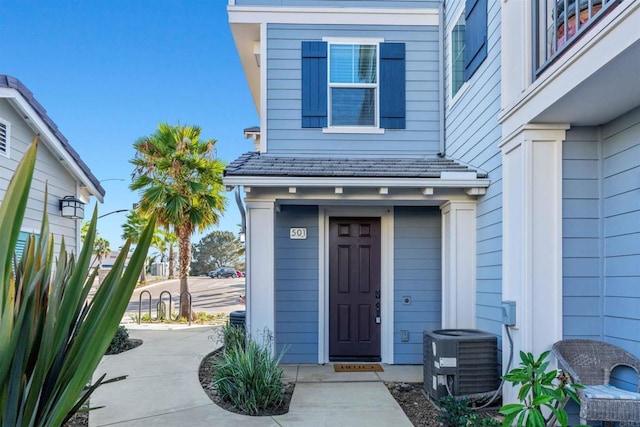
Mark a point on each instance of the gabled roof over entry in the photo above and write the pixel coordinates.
(31, 109)
(262, 170)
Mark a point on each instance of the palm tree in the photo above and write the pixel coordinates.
(132, 229)
(170, 239)
(179, 178)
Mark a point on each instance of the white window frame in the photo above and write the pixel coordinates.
(465, 85)
(353, 129)
(8, 138)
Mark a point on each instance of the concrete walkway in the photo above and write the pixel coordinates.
(162, 388)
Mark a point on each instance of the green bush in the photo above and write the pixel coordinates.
(543, 394)
(51, 337)
(120, 341)
(456, 412)
(249, 377)
(233, 337)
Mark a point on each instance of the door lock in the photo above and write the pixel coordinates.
(378, 293)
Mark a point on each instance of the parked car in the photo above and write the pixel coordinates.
(223, 272)
(239, 273)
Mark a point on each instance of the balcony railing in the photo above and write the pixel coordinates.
(559, 23)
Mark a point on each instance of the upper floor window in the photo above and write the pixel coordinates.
(4, 137)
(457, 55)
(468, 43)
(353, 86)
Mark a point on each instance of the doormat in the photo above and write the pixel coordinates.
(357, 367)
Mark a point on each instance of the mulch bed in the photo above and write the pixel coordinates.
(205, 375)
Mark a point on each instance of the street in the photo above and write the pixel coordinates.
(209, 295)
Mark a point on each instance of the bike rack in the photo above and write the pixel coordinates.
(159, 306)
(140, 306)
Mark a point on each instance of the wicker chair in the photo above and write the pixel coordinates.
(590, 363)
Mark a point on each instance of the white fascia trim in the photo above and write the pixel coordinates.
(52, 141)
(278, 181)
(332, 15)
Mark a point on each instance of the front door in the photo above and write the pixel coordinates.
(354, 289)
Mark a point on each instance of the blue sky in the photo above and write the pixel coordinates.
(108, 72)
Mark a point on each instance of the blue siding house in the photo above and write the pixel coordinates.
(419, 162)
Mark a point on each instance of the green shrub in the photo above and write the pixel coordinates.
(249, 377)
(120, 341)
(51, 338)
(455, 412)
(233, 337)
(541, 392)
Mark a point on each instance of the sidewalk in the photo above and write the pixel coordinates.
(162, 388)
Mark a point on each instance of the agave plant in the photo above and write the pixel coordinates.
(51, 337)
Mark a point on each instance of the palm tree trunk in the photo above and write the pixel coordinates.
(171, 260)
(184, 258)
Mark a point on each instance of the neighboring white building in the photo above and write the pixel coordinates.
(58, 166)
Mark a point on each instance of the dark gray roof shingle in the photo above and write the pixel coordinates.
(13, 83)
(255, 164)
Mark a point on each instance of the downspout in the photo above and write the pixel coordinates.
(243, 215)
(442, 23)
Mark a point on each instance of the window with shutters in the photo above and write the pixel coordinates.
(353, 85)
(468, 44)
(456, 41)
(4, 137)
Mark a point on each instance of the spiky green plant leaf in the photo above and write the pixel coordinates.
(51, 337)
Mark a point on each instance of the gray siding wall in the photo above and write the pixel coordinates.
(49, 172)
(417, 274)
(581, 243)
(341, 3)
(285, 134)
(601, 234)
(296, 285)
(472, 136)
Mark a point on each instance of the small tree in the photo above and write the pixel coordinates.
(217, 249)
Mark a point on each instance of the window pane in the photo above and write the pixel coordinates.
(457, 56)
(353, 63)
(353, 107)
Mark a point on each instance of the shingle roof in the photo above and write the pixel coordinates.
(13, 83)
(255, 164)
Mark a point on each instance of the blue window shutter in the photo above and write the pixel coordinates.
(475, 50)
(314, 84)
(392, 86)
(22, 241)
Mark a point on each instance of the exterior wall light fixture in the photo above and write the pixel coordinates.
(71, 207)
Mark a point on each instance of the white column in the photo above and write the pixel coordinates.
(459, 265)
(532, 238)
(260, 268)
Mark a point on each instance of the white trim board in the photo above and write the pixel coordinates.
(332, 15)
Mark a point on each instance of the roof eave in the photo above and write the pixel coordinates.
(319, 182)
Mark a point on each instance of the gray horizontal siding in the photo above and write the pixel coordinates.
(621, 237)
(417, 274)
(296, 285)
(472, 135)
(601, 235)
(581, 243)
(285, 135)
(342, 3)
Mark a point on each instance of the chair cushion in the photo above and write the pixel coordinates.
(607, 391)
